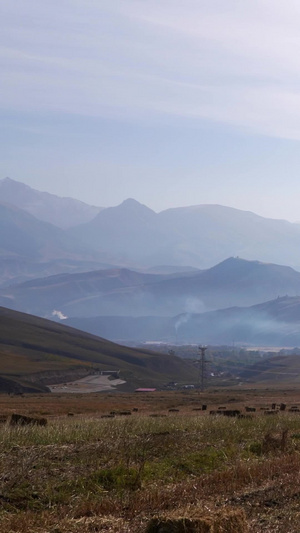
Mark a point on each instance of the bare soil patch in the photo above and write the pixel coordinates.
(88, 384)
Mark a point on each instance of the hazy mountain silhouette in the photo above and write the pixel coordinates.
(89, 293)
(62, 212)
(23, 234)
(234, 282)
(130, 232)
(198, 236)
(30, 247)
(273, 323)
(133, 236)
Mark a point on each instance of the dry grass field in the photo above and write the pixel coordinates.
(165, 460)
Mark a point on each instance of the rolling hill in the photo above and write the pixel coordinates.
(273, 323)
(278, 371)
(109, 291)
(122, 292)
(38, 350)
(234, 281)
(30, 247)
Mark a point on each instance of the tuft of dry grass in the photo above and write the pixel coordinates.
(199, 521)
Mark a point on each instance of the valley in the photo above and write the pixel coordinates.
(237, 302)
(150, 267)
(110, 420)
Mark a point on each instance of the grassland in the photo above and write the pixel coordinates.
(85, 473)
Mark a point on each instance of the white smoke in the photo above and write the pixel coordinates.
(191, 306)
(183, 319)
(59, 315)
(194, 305)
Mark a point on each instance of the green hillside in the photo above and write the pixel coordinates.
(35, 348)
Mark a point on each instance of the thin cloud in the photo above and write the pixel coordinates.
(232, 62)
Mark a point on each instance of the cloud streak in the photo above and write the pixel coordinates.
(230, 62)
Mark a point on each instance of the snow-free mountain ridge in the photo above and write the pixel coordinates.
(134, 236)
(273, 323)
(115, 292)
(62, 212)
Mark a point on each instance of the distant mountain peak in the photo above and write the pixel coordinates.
(131, 203)
(235, 261)
(62, 212)
(233, 266)
(238, 262)
(11, 184)
(129, 208)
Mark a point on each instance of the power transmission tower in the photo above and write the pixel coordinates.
(202, 366)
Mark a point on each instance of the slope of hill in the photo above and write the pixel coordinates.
(278, 371)
(273, 323)
(61, 212)
(234, 281)
(217, 231)
(21, 234)
(31, 248)
(130, 231)
(38, 349)
(127, 293)
(85, 293)
(19, 386)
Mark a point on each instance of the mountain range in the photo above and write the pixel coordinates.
(132, 235)
(123, 292)
(129, 273)
(200, 236)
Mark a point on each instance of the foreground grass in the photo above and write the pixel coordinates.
(96, 474)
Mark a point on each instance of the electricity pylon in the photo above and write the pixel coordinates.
(202, 366)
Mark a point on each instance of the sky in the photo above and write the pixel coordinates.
(170, 102)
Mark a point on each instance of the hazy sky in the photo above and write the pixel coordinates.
(170, 102)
